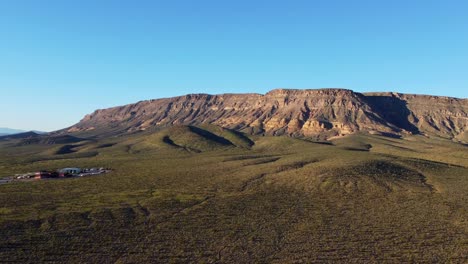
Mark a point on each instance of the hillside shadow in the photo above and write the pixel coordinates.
(51, 140)
(241, 136)
(66, 149)
(210, 136)
(394, 110)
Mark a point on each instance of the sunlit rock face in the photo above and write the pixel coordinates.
(312, 112)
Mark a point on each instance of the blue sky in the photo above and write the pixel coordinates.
(60, 60)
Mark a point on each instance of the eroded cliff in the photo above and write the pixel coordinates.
(324, 112)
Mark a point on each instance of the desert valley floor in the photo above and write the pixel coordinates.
(211, 195)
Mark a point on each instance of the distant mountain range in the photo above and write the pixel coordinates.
(11, 131)
(312, 113)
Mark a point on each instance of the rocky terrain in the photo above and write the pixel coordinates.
(323, 112)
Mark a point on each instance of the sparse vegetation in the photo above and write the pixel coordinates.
(238, 199)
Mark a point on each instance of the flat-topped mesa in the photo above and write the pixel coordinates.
(309, 92)
(294, 112)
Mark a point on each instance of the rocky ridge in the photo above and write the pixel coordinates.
(321, 112)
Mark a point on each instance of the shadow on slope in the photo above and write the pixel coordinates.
(50, 140)
(192, 139)
(393, 110)
(235, 137)
(66, 149)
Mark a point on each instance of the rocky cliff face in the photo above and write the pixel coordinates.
(437, 115)
(325, 112)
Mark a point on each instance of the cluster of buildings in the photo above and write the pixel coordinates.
(62, 173)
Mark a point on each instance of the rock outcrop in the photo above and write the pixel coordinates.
(321, 112)
(435, 115)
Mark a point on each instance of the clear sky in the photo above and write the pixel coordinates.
(60, 60)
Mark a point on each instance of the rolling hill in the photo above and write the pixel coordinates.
(4, 131)
(8, 131)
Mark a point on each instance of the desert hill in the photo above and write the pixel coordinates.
(313, 113)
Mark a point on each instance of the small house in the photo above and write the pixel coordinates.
(69, 171)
